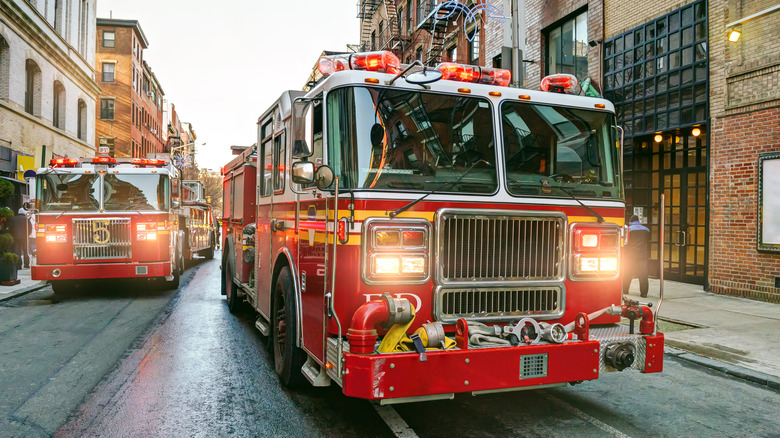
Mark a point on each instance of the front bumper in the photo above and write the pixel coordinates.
(101, 270)
(492, 369)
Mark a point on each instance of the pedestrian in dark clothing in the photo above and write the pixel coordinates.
(635, 256)
(18, 228)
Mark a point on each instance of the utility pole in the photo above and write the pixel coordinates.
(514, 31)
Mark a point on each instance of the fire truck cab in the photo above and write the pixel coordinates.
(105, 218)
(411, 234)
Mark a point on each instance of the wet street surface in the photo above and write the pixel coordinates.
(141, 363)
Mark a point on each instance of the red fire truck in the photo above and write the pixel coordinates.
(105, 218)
(196, 222)
(411, 233)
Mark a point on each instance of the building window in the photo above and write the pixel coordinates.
(81, 114)
(420, 11)
(107, 109)
(32, 90)
(452, 54)
(567, 47)
(108, 72)
(108, 38)
(58, 110)
(657, 73)
(5, 65)
(474, 45)
(109, 143)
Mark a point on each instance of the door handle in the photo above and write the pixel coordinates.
(682, 239)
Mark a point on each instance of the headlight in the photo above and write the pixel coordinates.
(595, 251)
(396, 251)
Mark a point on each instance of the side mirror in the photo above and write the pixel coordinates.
(324, 177)
(303, 172)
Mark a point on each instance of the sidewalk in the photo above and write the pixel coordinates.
(731, 334)
(25, 285)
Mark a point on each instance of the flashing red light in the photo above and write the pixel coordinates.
(103, 160)
(559, 83)
(382, 62)
(458, 72)
(64, 162)
(342, 231)
(452, 71)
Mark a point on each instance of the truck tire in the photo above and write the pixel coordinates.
(231, 290)
(288, 358)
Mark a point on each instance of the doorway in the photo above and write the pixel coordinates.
(674, 163)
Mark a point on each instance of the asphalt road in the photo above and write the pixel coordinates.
(166, 364)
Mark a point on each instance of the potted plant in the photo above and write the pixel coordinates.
(9, 262)
(5, 214)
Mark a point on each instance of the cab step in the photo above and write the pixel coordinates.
(314, 373)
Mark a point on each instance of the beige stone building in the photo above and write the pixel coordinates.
(47, 81)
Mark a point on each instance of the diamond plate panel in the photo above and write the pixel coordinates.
(619, 335)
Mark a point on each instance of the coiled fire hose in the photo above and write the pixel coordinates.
(430, 336)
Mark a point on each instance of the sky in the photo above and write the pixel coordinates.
(224, 63)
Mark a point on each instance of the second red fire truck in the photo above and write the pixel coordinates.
(107, 218)
(412, 233)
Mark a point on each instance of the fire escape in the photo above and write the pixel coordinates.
(380, 38)
(438, 28)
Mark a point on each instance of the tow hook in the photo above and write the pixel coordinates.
(619, 356)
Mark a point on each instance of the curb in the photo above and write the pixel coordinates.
(25, 291)
(732, 370)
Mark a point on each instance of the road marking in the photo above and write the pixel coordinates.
(395, 422)
(590, 419)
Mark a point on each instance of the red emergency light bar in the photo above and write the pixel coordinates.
(559, 83)
(381, 62)
(473, 73)
(103, 160)
(64, 162)
(147, 162)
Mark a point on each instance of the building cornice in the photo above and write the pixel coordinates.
(34, 33)
(125, 23)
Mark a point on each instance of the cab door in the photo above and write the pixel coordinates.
(265, 216)
(312, 246)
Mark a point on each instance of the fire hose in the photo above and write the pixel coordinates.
(430, 336)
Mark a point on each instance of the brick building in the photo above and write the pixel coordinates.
(745, 123)
(698, 111)
(130, 107)
(410, 28)
(47, 82)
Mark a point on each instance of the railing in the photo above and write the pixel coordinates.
(104, 238)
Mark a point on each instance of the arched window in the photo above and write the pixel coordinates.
(81, 130)
(5, 65)
(58, 17)
(58, 112)
(32, 89)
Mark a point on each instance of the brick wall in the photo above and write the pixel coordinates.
(621, 16)
(541, 14)
(120, 90)
(745, 109)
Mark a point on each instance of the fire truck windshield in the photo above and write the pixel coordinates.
(68, 192)
(393, 139)
(131, 192)
(547, 147)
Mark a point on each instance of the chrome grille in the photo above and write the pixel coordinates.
(498, 304)
(500, 246)
(104, 238)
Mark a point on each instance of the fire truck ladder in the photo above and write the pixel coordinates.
(365, 13)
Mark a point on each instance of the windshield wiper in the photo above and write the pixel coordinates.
(598, 217)
(395, 213)
(544, 184)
